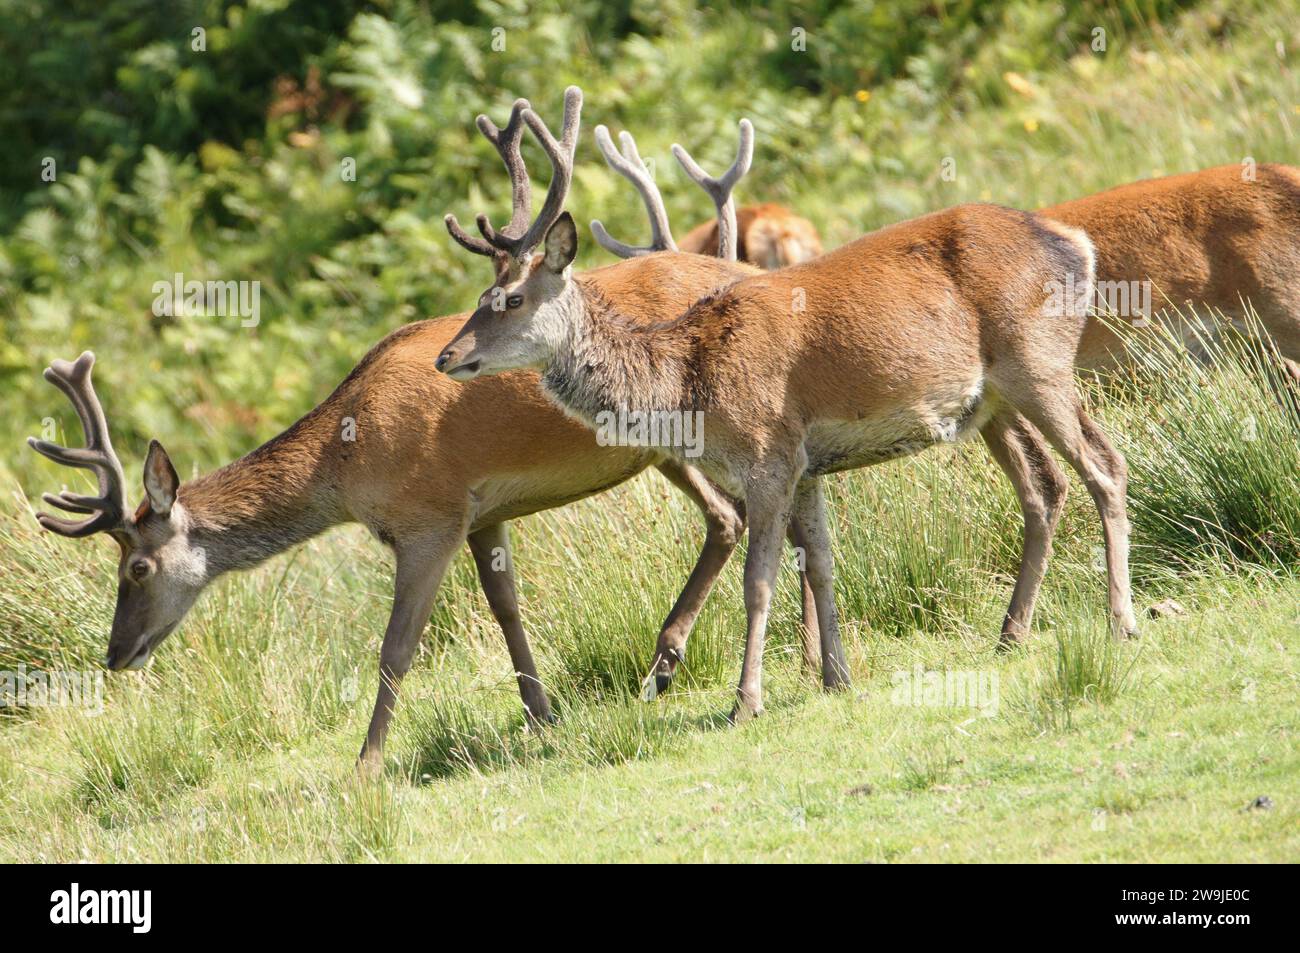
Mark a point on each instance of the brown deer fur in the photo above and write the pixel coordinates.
(914, 335)
(770, 236)
(1209, 238)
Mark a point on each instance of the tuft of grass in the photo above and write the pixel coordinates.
(448, 735)
(369, 818)
(132, 766)
(1086, 667)
(923, 766)
(1213, 446)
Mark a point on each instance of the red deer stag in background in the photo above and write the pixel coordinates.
(768, 235)
(433, 464)
(917, 334)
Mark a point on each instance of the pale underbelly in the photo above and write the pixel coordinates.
(836, 445)
(510, 496)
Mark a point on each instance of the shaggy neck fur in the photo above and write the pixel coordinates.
(604, 361)
(281, 494)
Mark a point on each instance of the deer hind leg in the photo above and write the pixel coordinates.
(496, 572)
(421, 564)
(814, 531)
(725, 525)
(809, 629)
(1041, 488)
(1283, 349)
(1057, 414)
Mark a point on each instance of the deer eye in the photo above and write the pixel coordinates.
(139, 569)
(514, 301)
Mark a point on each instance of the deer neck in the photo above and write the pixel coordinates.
(281, 494)
(606, 362)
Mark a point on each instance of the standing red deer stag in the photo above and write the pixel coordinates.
(768, 235)
(917, 334)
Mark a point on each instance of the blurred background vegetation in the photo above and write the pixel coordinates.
(225, 162)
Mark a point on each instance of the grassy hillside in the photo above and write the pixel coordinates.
(237, 742)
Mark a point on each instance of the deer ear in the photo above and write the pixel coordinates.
(561, 243)
(160, 480)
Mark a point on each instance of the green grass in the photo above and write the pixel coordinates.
(1172, 760)
(238, 742)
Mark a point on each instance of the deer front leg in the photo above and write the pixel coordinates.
(809, 628)
(768, 503)
(814, 532)
(420, 568)
(496, 573)
(725, 524)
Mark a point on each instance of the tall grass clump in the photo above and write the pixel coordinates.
(446, 734)
(919, 541)
(1212, 437)
(1086, 666)
(53, 593)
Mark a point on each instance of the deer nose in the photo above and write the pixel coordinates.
(444, 359)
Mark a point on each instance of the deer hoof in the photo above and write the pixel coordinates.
(1010, 641)
(370, 766)
(652, 685)
(544, 719)
(661, 675)
(742, 713)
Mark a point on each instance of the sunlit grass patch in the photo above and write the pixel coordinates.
(133, 762)
(925, 765)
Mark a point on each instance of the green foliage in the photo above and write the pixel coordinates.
(228, 163)
(106, 79)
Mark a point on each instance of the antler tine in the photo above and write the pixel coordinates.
(720, 188)
(507, 142)
(109, 508)
(630, 166)
(561, 155)
(518, 238)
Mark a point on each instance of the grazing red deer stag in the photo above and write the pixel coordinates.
(430, 465)
(1211, 238)
(914, 335)
(769, 235)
